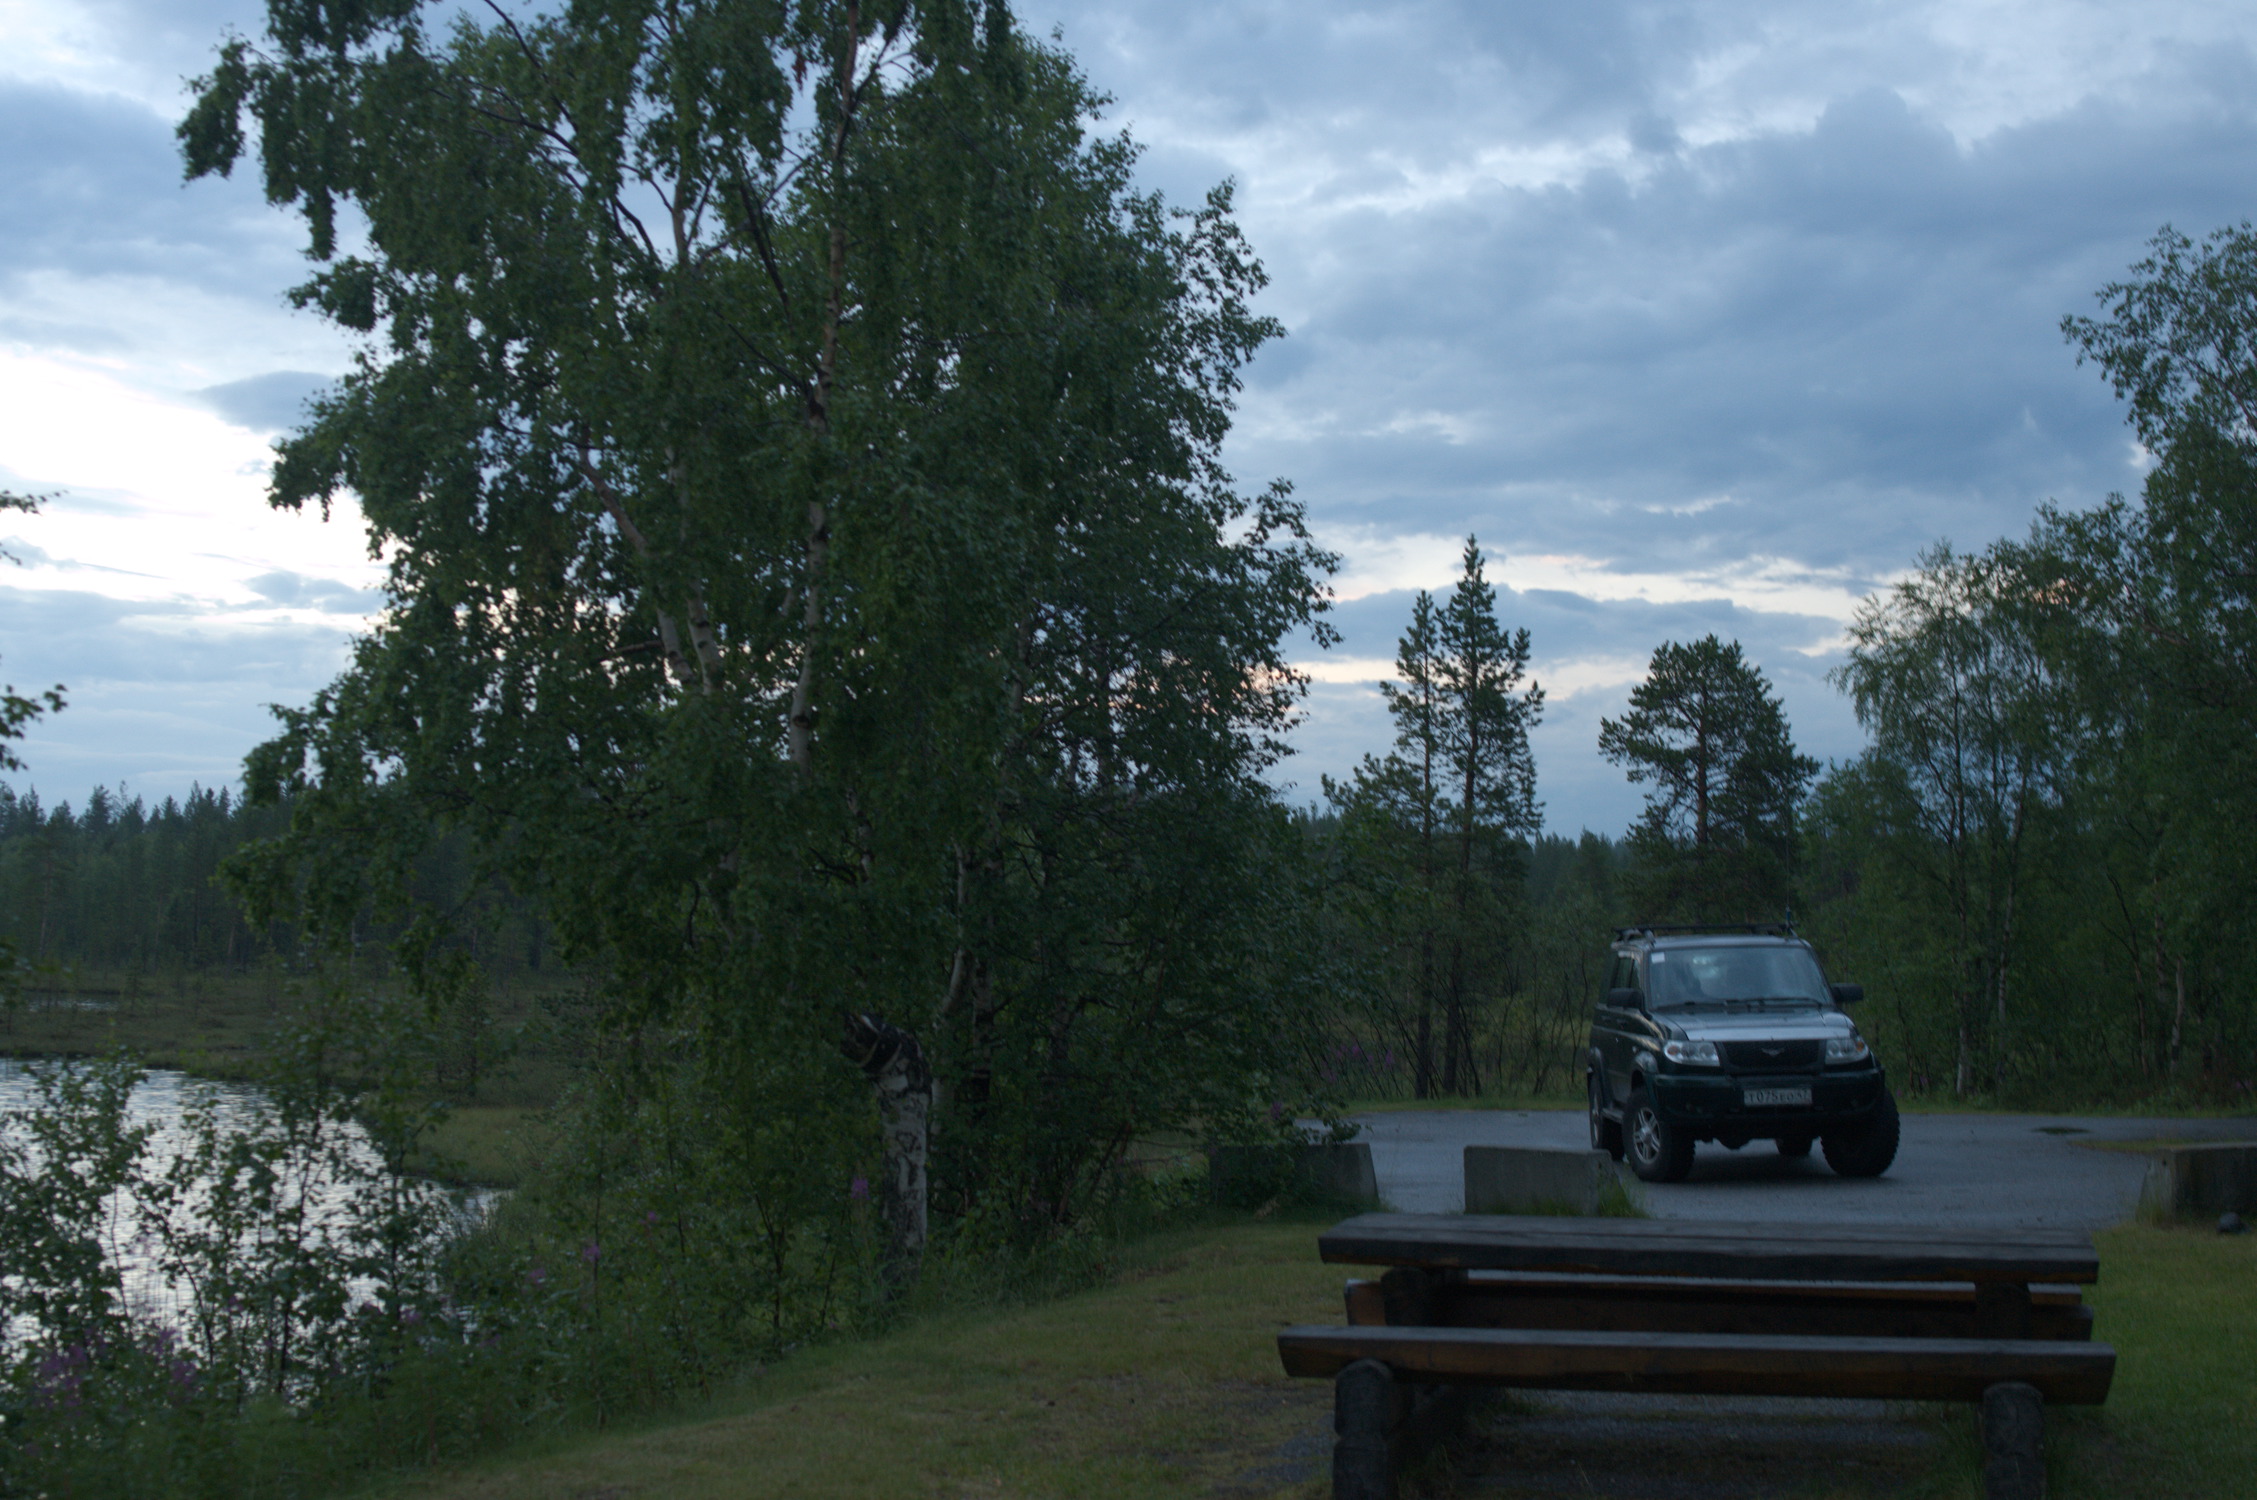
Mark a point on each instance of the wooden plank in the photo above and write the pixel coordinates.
(1578, 1229)
(1540, 1282)
(2002, 1311)
(1851, 1252)
(2064, 1372)
(1573, 1227)
(1687, 1306)
(1366, 1308)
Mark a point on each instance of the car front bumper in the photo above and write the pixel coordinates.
(1718, 1099)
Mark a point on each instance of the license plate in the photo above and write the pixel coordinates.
(1754, 1098)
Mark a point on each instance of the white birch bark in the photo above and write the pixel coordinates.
(895, 1065)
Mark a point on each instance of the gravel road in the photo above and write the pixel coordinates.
(1951, 1169)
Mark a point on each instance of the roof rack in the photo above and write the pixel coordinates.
(1753, 929)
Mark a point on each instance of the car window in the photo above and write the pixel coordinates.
(1693, 976)
(1625, 975)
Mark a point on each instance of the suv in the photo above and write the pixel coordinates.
(1731, 1035)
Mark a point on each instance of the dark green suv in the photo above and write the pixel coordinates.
(1731, 1035)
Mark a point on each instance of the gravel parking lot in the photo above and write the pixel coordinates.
(1951, 1168)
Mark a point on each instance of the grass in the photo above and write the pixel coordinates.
(213, 1024)
(1166, 1383)
(2180, 1305)
(483, 1145)
(1911, 1104)
(2152, 1109)
(1483, 1101)
(216, 1024)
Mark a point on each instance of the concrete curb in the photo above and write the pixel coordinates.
(1519, 1180)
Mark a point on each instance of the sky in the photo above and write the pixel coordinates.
(1700, 316)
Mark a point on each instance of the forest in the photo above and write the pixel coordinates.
(821, 726)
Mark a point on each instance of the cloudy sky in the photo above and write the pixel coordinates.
(1702, 316)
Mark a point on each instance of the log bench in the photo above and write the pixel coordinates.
(1927, 1314)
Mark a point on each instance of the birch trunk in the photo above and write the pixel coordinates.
(895, 1065)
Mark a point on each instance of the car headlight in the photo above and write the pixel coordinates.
(1847, 1049)
(1699, 1054)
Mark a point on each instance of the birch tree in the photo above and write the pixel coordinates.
(793, 443)
(1952, 691)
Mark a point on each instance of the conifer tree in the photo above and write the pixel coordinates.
(1707, 737)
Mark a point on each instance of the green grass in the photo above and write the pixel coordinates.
(211, 1024)
(1481, 1101)
(2180, 1305)
(484, 1145)
(2146, 1109)
(216, 1023)
(1166, 1383)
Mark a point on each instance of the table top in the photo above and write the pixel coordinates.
(1684, 1247)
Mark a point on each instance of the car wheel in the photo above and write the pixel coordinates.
(1606, 1134)
(1867, 1150)
(1794, 1146)
(1659, 1151)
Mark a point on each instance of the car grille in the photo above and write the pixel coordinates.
(1772, 1057)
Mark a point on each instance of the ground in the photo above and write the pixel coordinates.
(1950, 1169)
(1166, 1383)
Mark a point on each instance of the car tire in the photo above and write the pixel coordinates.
(1794, 1147)
(1659, 1151)
(1868, 1149)
(1606, 1134)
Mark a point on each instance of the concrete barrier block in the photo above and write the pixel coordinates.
(1520, 1180)
(1335, 1172)
(1341, 1170)
(2215, 1178)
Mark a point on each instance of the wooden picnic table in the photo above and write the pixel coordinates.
(1681, 1247)
(1924, 1312)
(1999, 1265)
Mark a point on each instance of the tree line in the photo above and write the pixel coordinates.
(2031, 864)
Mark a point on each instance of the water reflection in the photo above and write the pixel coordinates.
(171, 1102)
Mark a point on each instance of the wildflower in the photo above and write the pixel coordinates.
(859, 1189)
(591, 1252)
(536, 1275)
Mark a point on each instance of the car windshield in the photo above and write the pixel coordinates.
(1689, 978)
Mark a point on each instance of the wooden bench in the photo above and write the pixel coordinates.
(1929, 1313)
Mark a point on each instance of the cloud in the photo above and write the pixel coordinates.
(160, 694)
(1702, 314)
(95, 189)
(265, 403)
(1587, 653)
(1561, 280)
(325, 594)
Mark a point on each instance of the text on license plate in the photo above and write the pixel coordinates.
(1755, 1097)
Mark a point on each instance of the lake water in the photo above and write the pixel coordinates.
(164, 1100)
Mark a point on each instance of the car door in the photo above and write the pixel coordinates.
(1614, 1028)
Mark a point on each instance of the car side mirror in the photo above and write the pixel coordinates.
(1623, 999)
(1847, 994)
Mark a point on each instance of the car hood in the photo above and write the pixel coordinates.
(1790, 1025)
